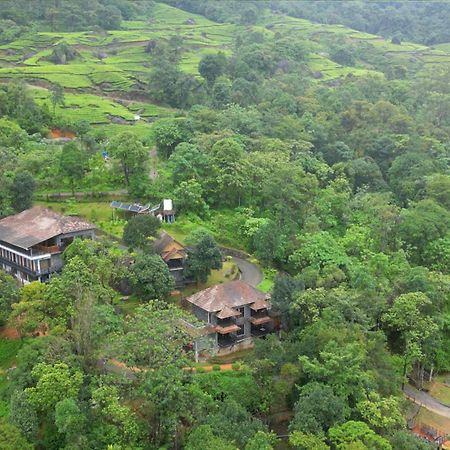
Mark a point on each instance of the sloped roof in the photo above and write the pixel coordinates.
(161, 243)
(227, 312)
(260, 304)
(37, 224)
(233, 294)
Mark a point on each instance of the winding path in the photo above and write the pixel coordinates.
(250, 273)
(427, 401)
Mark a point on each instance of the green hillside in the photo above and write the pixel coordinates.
(112, 64)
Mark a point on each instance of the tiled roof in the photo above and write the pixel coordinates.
(37, 224)
(162, 242)
(227, 312)
(233, 294)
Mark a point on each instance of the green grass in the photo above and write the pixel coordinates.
(434, 420)
(126, 67)
(266, 284)
(94, 109)
(440, 389)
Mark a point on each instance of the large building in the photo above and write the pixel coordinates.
(32, 241)
(235, 313)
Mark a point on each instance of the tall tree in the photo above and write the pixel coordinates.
(410, 318)
(22, 190)
(9, 294)
(73, 163)
(151, 277)
(56, 95)
(130, 152)
(203, 256)
(139, 230)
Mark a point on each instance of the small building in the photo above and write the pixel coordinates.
(164, 210)
(235, 312)
(173, 254)
(32, 241)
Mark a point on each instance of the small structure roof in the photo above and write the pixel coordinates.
(233, 294)
(260, 304)
(38, 224)
(260, 320)
(162, 241)
(228, 329)
(227, 312)
(134, 207)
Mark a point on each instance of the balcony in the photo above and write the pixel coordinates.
(260, 318)
(45, 249)
(262, 324)
(227, 329)
(57, 265)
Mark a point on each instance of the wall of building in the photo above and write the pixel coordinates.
(200, 313)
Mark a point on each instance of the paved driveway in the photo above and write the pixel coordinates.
(250, 273)
(427, 401)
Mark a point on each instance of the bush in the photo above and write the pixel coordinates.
(236, 366)
(200, 370)
(216, 367)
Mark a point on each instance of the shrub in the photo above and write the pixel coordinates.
(236, 366)
(200, 370)
(216, 367)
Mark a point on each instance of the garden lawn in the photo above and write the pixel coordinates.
(440, 389)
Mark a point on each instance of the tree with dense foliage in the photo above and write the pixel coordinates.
(130, 152)
(151, 277)
(306, 441)
(22, 191)
(203, 257)
(357, 433)
(11, 439)
(9, 294)
(72, 163)
(168, 134)
(56, 95)
(140, 229)
(153, 337)
(212, 66)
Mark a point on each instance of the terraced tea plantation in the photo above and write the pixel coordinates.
(106, 83)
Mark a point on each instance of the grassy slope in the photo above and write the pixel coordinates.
(89, 81)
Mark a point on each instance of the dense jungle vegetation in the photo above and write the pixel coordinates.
(320, 150)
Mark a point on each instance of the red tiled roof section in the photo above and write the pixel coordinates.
(227, 312)
(37, 224)
(233, 294)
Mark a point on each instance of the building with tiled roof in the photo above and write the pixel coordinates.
(32, 241)
(173, 254)
(235, 312)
